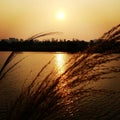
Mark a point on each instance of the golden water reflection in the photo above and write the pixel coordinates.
(64, 90)
(60, 62)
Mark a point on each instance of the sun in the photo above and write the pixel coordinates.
(60, 15)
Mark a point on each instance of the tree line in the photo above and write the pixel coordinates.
(55, 45)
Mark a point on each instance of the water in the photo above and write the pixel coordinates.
(101, 103)
(30, 66)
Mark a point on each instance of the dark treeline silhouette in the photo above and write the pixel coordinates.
(55, 45)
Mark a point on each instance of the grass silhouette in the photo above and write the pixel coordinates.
(52, 98)
(13, 54)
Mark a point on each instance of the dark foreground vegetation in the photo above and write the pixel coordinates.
(61, 97)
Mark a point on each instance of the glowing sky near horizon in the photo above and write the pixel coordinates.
(83, 19)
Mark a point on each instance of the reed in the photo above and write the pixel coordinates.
(46, 100)
(9, 58)
(113, 33)
(14, 53)
(52, 98)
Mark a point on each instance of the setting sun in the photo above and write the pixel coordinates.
(60, 15)
(82, 19)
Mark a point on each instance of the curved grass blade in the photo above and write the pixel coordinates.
(10, 57)
(42, 35)
(3, 75)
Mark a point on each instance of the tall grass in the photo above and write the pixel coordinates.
(14, 53)
(51, 98)
(47, 99)
(113, 34)
(10, 57)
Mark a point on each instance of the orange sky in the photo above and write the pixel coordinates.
(84, 19)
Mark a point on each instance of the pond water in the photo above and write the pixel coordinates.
(95, 105)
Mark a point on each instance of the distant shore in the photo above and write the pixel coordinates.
(71, 46)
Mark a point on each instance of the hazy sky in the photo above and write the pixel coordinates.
(82, 19)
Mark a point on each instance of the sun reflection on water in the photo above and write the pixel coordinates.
(63, 87)
(60, 62)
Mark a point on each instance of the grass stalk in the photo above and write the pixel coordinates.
(51, 98)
